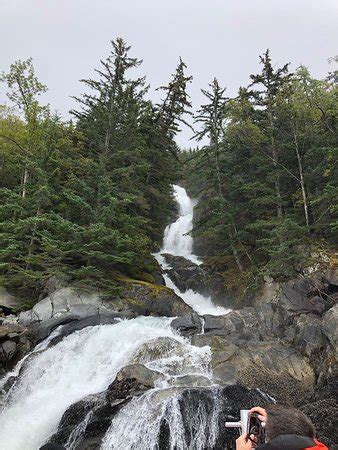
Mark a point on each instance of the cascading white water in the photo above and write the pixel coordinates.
(200, 303)
(138, 425)
(177, 241)
(83, 363)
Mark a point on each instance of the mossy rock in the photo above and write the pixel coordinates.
(151, 299)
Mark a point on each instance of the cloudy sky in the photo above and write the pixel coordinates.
(221, 38)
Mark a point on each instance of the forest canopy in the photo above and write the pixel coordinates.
(89, 198)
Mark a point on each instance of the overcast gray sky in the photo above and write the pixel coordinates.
(221, 38)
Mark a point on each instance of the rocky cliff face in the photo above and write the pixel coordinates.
(285, 343)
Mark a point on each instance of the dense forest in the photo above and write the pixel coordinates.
(267, 176)
(89, 198)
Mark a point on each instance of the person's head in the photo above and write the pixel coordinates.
(287, 420)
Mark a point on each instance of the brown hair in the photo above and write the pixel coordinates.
(287, 420)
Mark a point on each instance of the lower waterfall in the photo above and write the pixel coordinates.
(83, 363)
(141, 423)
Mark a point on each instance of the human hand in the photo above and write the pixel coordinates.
(243, 443)
(261, 412)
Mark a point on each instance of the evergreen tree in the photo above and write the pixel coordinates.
(271, 81)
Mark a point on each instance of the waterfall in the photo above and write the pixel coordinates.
(200, 303)
(83, 363)
(186, 422)
(178, 242)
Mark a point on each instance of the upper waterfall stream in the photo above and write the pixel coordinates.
(178, 242)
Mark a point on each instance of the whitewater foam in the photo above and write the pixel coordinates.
(177, 241)
(83, 363)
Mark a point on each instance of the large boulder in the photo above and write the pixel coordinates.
(168, 355)
(131, 381)
(92, 416)
(70, 304)
(66, 301)
(42, 331)
(276, 369)
(151, 299)
(306, 334)
(186, 274)
(204, 279)
(162, 347)
(188, 324)
(296, 298)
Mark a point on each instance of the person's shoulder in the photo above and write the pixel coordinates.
(289, 442)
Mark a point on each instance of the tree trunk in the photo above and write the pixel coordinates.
(218, 175)
(301, 179)
(279, 206)
(24, 182)
(236, 256)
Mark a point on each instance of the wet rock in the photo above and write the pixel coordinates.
(7, 351)
(207, 407)
(69, 328)
(92, 416)
(188, 324)
(77, 416)
(192, 380)
(204, 279)
(132, 381)
(158, 348)
(186, 274)
(150, 299)
(167, 355)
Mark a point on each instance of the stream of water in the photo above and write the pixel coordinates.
(178, 242)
